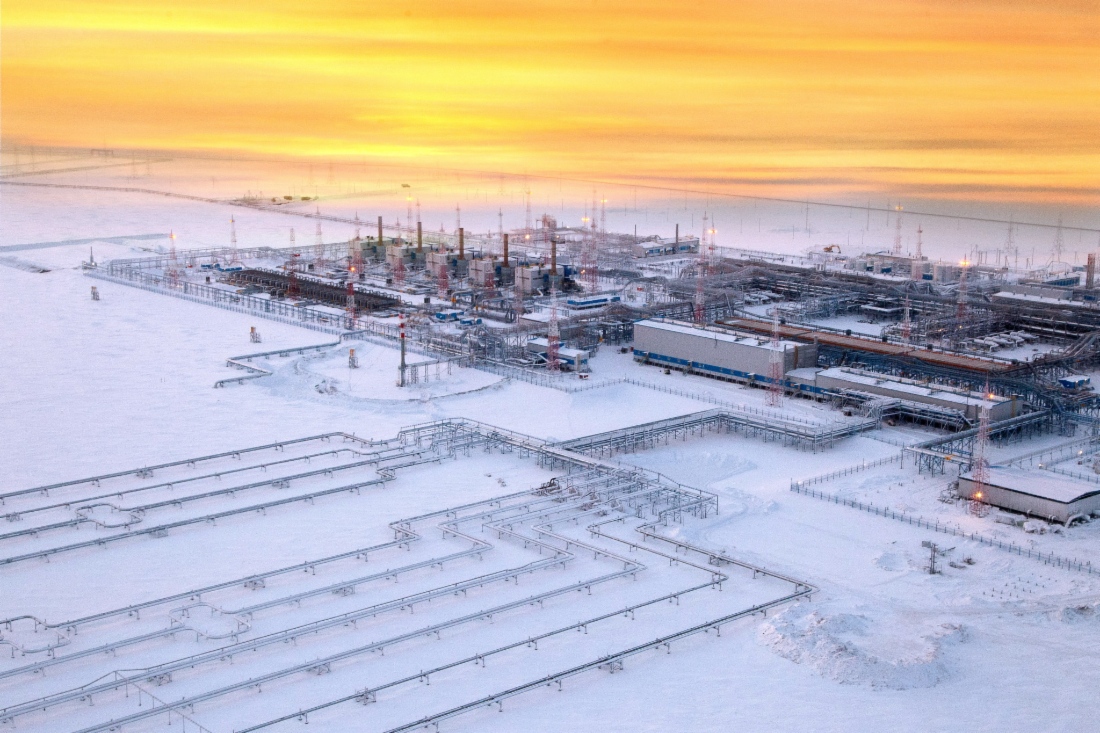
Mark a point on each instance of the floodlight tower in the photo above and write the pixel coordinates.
(979, 462)
(712, 254)
(527, 227)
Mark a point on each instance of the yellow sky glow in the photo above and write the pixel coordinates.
(980, 99)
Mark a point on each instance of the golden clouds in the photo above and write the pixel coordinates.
(960, 98)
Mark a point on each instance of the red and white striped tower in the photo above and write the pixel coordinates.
(553, 335)
(443, 282)
(399, 272)
(775, 365)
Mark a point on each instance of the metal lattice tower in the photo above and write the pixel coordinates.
(1059, 246)
(704, 250)
(319, 244)
(960, 300)
(402, 368)
(350, 307)
(775, 365)
(589, 248)
(906, 323)
(979, 464)
(712, 254)
(292, 288)
(172, 272)
(920, 243)
(553, 335)
(234, 255)
(897, 232)
(700, 300)
(527, 216)
(1011, 250)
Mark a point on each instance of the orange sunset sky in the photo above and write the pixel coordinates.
(994, 99)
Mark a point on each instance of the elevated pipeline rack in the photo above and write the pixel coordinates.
(648, 435)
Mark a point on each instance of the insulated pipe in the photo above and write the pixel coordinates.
(677, 234)
(506, 250)
(553, 256)
(380, 230)
(461, 244)
(419, 238)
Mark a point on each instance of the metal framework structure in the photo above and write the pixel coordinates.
(958, 449)
(608, 498)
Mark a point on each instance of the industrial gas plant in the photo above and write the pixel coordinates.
(977, 352)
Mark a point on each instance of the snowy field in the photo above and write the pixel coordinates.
(96, 387)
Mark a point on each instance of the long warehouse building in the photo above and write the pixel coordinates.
(719, 352)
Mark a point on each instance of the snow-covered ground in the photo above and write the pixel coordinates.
(91, 387)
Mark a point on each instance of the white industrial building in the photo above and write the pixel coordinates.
(719, 352)
(1041, 494)
(568, 358)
